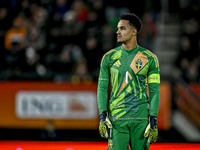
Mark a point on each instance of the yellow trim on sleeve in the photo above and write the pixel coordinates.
(106, 54)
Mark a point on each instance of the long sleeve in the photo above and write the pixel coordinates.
(103, 82)
(154, 94)
(154, 81)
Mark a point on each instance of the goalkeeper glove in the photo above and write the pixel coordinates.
(104, 125)
(151, 130)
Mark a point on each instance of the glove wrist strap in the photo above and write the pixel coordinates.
(153, 121)
(103, 116)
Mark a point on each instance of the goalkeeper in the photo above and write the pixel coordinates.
(131, 117)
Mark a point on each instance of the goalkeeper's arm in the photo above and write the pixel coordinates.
(151, 130)
(104, 125)
(102, 96)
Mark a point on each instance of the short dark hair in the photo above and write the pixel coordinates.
(133, 19)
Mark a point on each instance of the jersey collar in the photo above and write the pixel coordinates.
(129, 51)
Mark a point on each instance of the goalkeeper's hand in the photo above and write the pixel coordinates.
(151, 130)
(104, 125)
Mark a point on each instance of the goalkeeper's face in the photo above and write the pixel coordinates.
(125, 32)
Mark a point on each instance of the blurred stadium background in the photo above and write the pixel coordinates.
(50, 51)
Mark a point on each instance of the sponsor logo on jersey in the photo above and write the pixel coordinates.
(138, 64)
(117, 63)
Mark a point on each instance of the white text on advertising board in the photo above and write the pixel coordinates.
(53, 104)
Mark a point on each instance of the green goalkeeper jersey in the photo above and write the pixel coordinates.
(130, 73)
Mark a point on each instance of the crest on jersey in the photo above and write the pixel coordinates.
(138, 64)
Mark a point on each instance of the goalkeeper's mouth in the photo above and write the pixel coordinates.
(118, 36)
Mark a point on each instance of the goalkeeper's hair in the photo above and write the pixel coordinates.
(133, 19)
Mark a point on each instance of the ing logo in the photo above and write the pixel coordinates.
(138, 64)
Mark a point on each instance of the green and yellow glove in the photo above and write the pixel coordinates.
(104, 125)
(151, 130)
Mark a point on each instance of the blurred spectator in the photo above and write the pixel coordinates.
(54, 33)
(38, 15)
(92, 20)
(182, 61)
(14, 42)
(192, 73)
(92, 53)
(112, 14)
(35, 38)
(153, 6)
(190, 9)
(191, 30)
(74, 21)
(60, 8)
(24, 9)
(71, 27)
(49, 132)
(80, 73)
(123, 6)
(188, 62)
(64, 37)
(64, 62)
(97, 8)
(92, 27)
(79, 7)
(4, 23)
(34, 50)
(108, 38)
(29, 60)
(185, 50)
(148, 31)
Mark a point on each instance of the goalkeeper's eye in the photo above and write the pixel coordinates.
(122, 28)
